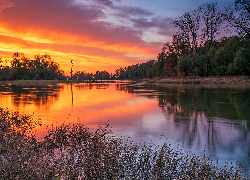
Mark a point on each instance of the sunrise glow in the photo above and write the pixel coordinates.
(76, 30)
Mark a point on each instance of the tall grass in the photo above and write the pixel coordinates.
(74, 152)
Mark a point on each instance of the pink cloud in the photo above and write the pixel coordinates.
(64, 27)
(66, 19)
(5, 4)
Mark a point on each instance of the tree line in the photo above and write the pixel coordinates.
(195, 48)
(42, 67)
(22, 68)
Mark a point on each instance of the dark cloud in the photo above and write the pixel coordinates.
(106, 2)
(142, 23)
(154, 22)
(133, 11)
(164, 25)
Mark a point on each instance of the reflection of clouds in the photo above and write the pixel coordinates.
(220, 137)
(153, 121)
(171, 113)
(195, 119)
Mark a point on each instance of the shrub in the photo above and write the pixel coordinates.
(74, 152)
(184, 65)
(242, 61)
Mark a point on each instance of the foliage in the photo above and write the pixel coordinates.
(184, 65)
(241, 62)
(188, 25)
(42, 67)
(75, 152)
(139, 71)
(212, 17)
(196, 40)
(199, 63)
(239, 16)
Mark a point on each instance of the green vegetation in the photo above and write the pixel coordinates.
(21, 68)
(195, 49)
(73, 152)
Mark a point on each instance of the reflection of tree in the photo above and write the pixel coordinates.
(200, 113)
(39, 95)
(224, 103)
(227, 102)
(220, 107)
(86, 86)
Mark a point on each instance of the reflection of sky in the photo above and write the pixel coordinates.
(141, 118)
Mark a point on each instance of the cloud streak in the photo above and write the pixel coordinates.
(5, 4)
(107, 31)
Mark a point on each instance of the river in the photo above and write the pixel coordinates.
(214, 118)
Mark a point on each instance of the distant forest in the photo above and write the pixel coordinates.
(194, 51)
(20, 67)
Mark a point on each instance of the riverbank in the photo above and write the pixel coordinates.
(38, 82)
(202, 80)
(159, 80)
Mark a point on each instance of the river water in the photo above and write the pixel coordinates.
(192, 117)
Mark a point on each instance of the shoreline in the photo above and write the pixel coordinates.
(202, 80)
(159, 80)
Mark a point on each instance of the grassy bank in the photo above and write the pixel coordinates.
(75, 152)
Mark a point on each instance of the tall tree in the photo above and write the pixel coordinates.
(239, 17)
(188, 25)
(243, 4)
(212, 17)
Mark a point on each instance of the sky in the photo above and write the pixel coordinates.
(95, 34)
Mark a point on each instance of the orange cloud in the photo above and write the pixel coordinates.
(87, 59)
(67, 31)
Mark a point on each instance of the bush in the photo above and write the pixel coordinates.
(75, 152)
(184, 65)
(242, 61)
(200, 62)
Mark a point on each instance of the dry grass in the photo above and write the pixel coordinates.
(203, 80)
(74, 152)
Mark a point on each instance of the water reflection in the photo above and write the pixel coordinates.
(197, 117)
(31, 94)
(217, 118)
(227, 102)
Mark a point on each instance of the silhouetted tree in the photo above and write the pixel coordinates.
(239, 17)
(188, 25)
(40, 68)
(212, 17)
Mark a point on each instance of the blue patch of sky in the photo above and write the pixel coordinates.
(150, 19)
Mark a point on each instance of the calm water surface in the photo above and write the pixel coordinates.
(193, 117)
